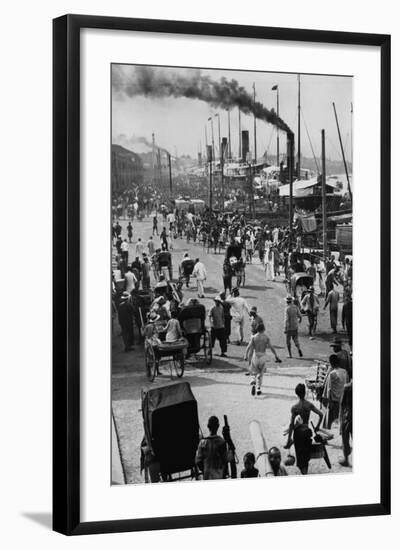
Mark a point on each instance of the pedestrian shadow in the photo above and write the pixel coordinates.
(256, 287)
(211, 290)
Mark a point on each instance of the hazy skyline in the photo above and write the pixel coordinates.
(179, 123)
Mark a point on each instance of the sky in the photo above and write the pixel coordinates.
(180, 123)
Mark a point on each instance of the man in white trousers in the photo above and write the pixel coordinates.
(269, 262)
(199, 271)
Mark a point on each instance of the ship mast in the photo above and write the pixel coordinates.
(298, 129)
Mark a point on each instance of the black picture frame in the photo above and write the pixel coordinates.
(66, 273)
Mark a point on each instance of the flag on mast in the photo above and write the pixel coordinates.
(274, 87)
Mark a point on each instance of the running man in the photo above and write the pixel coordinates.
(257, 357)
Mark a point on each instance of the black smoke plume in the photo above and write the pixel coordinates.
(223, 94)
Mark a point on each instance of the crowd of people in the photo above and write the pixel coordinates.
(230, 316)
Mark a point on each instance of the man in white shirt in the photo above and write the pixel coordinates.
(130, 280)
(199, 271)
(139, 248)
(125, 250)
(239, 307)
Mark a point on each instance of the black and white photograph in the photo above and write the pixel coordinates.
(231, 249)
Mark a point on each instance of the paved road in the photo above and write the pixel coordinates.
(222, 388)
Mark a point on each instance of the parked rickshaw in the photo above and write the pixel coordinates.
(194, 330)
(158, 352)
(171, 433)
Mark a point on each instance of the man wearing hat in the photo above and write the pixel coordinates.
(344, 356)
(292, 320)
(217, 321)
(125, 319)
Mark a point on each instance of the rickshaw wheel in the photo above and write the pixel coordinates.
(179, 364)
(151, 364)
(207, 348)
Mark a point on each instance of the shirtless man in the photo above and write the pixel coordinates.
(303, 408)
(257, 357)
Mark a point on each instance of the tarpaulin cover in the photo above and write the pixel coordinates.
(308, 222)
(171, 426)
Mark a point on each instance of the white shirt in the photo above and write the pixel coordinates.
(199, 271)
(130, 281)
(124, 246)
(171, 218)
(139, 249)
(238, 306)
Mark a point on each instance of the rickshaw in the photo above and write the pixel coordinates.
(197, 335)
(171, 433)
(158, 352)
(297, 286)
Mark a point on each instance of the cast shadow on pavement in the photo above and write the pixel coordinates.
(42, 518)
(257, 287)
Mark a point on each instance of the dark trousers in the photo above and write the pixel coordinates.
(227, 283)
(333, 318)
(125, 256)
(312, 322)
(146, 283)
(127, 336)
(219, 334)
(227, 328)
(347, 432)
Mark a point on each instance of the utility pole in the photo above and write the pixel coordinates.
(210, 159)
(323, 186)
(223, 151)
(298, 129)
(276, 88)
(255, 125)
(153, 157)
(351, 136)
(212, 136)
(170, 174)
(229, 135)
(240, 138)
(344, 159)
(290, 138)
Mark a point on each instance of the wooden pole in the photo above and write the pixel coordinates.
(260, 449)
(277, 129)
(323, 194)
